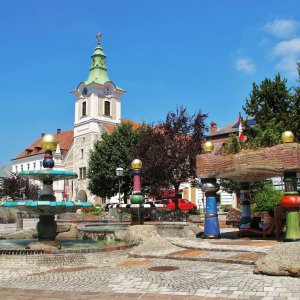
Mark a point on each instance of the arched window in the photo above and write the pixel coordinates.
(107, 108)
(83, 109)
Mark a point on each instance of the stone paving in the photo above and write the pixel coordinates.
(203, 269)
(115, 275)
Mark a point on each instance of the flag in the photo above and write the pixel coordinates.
(241, 135)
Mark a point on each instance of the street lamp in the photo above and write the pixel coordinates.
(119, 173)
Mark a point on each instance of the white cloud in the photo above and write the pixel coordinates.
(289, 47)
(288, 53)
(245, 65)
(282, 28)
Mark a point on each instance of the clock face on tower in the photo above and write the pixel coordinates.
(107, 91)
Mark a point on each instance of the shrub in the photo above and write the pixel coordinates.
(93, 211)
(7, 215)
(266, 197)
(225, 207)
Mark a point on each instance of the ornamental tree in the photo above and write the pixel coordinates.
(17, 188)
(168, 150)
(113, 151)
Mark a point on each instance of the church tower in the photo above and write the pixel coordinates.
(97, 110)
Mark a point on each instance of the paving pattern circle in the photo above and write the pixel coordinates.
(163, 268)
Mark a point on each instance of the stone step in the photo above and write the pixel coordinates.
(234, 257)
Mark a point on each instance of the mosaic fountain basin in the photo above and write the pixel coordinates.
(43, 207)
(102, 227)
(18, 247)
(43, 175)
(106, 232)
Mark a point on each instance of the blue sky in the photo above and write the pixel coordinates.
(203, 55)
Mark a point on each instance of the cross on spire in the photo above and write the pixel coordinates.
(98, 37)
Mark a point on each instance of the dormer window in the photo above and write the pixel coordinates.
(107, 108)
(37, 149)
(27, 151)
(83, 109)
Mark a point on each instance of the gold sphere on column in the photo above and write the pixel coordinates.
(288, 137)
(136, 164)
(208, 146)
(49, 142)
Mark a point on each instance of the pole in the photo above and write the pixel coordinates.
(119, 191)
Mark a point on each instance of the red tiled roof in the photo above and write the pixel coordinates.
(135, 125)
(65, 139)
(109, 127)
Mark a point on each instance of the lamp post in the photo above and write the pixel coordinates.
(119, 173)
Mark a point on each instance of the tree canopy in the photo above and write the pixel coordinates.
(275, 108)
(16, 188)
(168, 150)
(113, 151)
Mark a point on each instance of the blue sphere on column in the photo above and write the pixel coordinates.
(48, 161)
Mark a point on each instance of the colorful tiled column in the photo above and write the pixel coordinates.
(137, 198)
(210, 188)
(291, 202)
(211, 225)
(291, 199)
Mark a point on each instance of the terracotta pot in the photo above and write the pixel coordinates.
(290, 201)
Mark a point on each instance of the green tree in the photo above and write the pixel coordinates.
(168, 150)
(266, 197)
(18, 187)
(113, 151)
(262, 193)
(295, 111)
(271, 105)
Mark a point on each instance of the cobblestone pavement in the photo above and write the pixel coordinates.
(114, 275)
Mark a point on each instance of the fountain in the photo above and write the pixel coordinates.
(46, 207)
(138, 209)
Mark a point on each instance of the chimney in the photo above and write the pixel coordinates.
(42, 134)
(58, 131)
(213, 127)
